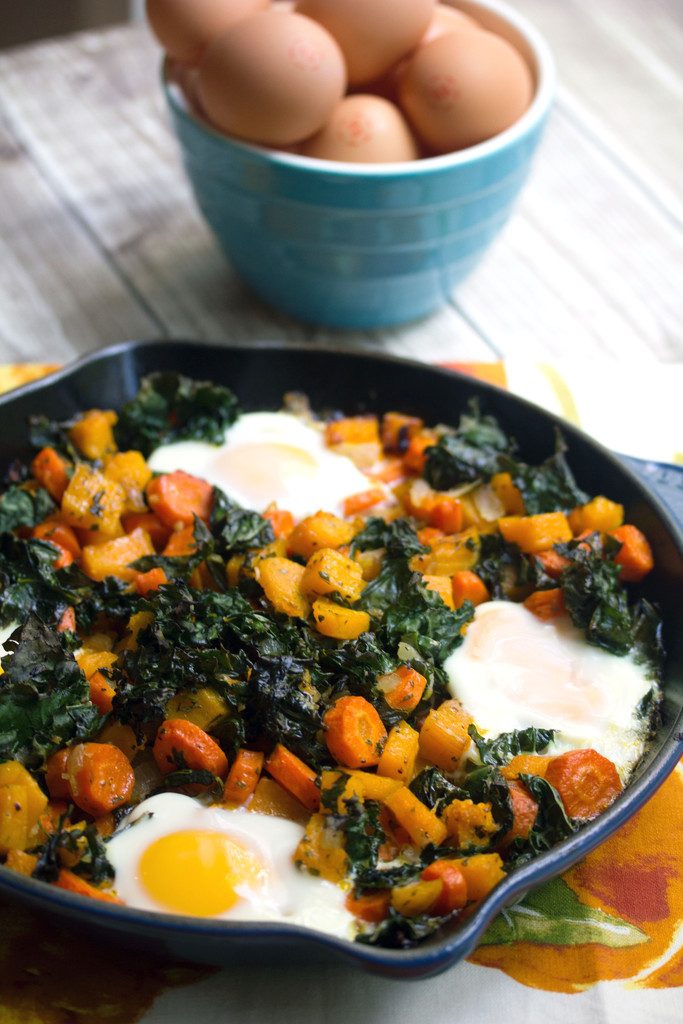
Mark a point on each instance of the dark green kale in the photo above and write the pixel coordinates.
(30, 584)
(550, 487)
(236, 529)
(399, 932)
(193, 777)
(283, 705)
(504, 568)
(83, 842)
(47, 433)
(647, 645)
(471, 452)
(436, 791)
(595, 599)
(355, 667)
(419, 618)
(19, 507)
(107, 603)
(507, 745)
(181, 567)
(169, 407)
(551, 826)
(44, 697)
(487, 785)
(398, 538)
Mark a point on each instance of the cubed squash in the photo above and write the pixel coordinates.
(599, 514)
(340, 623)
(421, 823)
(92, 502)
(482, 872)
(93, 433)
(441, 585)
(399, 754)
(470, 825)
(444, 736)
(282, 579)
(136, 623)
(204, 707)
(509, 495)
(271, 798)
(416, 898)
(130, 470)
(536, 533)
(398, 430)
(321, 850)
(449, 555)
(322, 530)
(330, 572)
(116, 557)
(14, 818)
(14, 773)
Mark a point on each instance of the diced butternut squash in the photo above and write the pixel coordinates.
(102, 693)
(526, 764)
(599, 514)
(203, 707)
(95, 654)
(421, 824)
(321, 850)
(136, 623)
(52, 472)
(415, 457)
(399, 754)
(22, 863)
(370, 563)
(398, 430)
(337, 622)
(14, 773)
(536, 533)
(469, 824)
(130, 470)
(444, 736)
(352, 430)
(510, 496)
(282, 581)
(483, 872)
(116, 557)
(322, 530)
(373, 787)
(270, 798)
(441, 585)
(14, 819)
(92, 502)
(416, 898)
(449, 555)
(467, 586)
(330, 572)
(93, 433)
(121, 736)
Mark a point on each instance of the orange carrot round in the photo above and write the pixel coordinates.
(243, 776)
(56, 777)
(158, 532)
(180, 743)
(147, 582)
(295, 776)
(67, 623)
(100, 777)
(102, 693)
(586, 781)
(354, 732)
(552, 562)
(73, 883)
(281, 521)
(61, 537)
(546, 604)
(524, 811)
(467, 586)
(178, 497)
(453, 895)
(403, 688)
(372, 907)
(51, 471)
(446, 515)
(635, 557)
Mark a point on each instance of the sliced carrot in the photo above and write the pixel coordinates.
(467, 586)
(446, 515)
(362, 501)
(147, 582)
(403, 688)
(428, 534)
(281, 521)
(71, 882)
(180, 743)
(100, 777)
(453, 895)
(158, 532)
(102, 693)
(243, 776)
(546, 604)
(67, 623)
(354, 732)
(56, 775)
(181, 543)
(352, 430)
(635, 557)
(414, 460)
(552, 562)
(524, 812)
(586, 781)
(62, 537)
(372, 907)
(52, 472)
(178, 497)
(295, 776)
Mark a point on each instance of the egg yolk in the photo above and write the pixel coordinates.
(201, 873)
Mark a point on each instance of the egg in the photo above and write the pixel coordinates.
(269, 457)
(462, 88)
(373, 34)
(176, 855)
(364, 129)
(447, 19)
(514, 670)
(274, 78)
(185, 27)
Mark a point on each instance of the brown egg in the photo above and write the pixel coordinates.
(447, 19)
(274, 78)
(373, 34)
(185, 27)
(462, 88)
(363, 129)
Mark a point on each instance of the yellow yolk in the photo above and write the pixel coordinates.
(201, 873)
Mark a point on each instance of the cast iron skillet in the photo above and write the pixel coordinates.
(260, 374)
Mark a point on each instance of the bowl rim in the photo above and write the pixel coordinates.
(449, 947)
(531, 119)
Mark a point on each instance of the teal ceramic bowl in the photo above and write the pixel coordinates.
(358, 245)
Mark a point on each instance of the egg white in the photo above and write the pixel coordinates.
(514, 670)
(289, 895)
(269, 457)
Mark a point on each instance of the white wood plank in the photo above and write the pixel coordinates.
(90, 113)
(58, 294)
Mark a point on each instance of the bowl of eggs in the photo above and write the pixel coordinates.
(354, 160)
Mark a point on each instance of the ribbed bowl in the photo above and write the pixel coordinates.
(357, 245)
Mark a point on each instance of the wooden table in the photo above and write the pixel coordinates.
(100, 239)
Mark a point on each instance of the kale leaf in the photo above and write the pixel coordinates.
(31, 585)
(436, 791)
(507, 745)
(471, 452)
(419, 618)
(398, 538)
(595, 599)
(549, 487)
(236, 529)
(399, 932)
(170, 407)
(283, 705)
(550, 827)
(83, 842)
(19, 507)
(487, 785)
(647, 645)
(44, 697)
